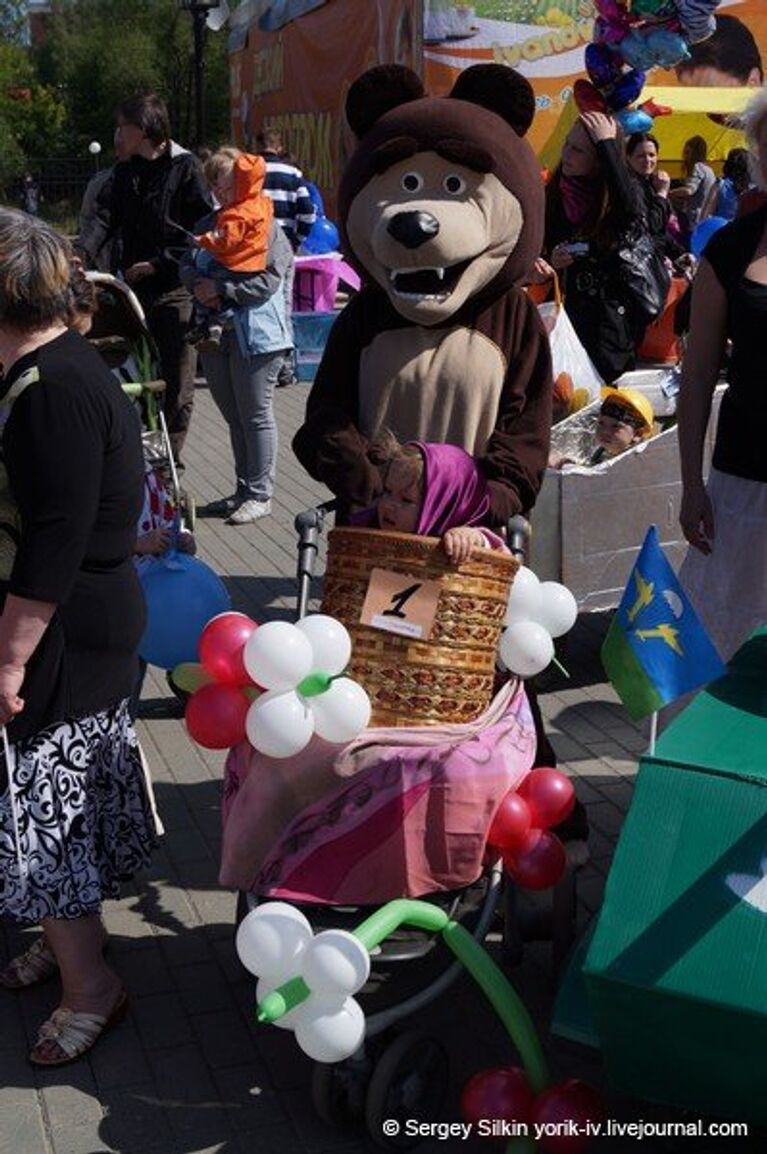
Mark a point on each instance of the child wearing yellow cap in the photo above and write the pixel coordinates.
(625, 418)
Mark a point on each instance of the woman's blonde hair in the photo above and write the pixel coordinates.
(35, 272)
(220, 163)
(753, 122)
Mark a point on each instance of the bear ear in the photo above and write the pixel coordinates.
(378, 91)
(501, 90)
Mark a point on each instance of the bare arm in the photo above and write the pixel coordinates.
(22, 626)
(700, 371)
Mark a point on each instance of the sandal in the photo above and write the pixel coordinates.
(37, 964)
(73, 1033)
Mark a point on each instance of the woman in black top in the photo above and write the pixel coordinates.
(654, 183)
(591, 201)
(725, 522)
(74, 814)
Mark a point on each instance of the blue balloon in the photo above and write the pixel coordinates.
(634, 120)
(315, 196)
(182, 594)
(323, 238)
(703, 233)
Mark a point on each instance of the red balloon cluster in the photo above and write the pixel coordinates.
(560, 1113)
(215, 714)
(533, 856)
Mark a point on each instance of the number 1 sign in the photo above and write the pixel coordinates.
(397, 603)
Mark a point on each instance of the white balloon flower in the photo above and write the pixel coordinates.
(278, 655)
(330, 642)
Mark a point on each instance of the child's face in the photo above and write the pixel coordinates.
(614, 434)
(223, 188)
(399, 505)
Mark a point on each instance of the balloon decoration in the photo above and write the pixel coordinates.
(221, 648)
(538, 863)
(503, 1093)
(276, 942)
(704, 231)
(181, 594)
(532, 855)
(562, 1113)
(536, 613)
(276, 684)
(630, 38)
(307, 983)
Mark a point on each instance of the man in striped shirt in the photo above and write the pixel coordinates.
(294, 211)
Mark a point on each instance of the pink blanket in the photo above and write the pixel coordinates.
(398, 813)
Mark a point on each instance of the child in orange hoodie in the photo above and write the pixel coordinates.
(239, 240)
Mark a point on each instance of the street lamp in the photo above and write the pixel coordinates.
(94, 148)
(212, 13)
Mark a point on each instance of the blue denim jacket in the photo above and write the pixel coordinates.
(256, 300)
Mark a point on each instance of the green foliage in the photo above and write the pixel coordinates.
(32, 115)
(99, 51)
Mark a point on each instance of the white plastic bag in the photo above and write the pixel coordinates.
(576, 381)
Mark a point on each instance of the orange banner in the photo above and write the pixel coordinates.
(296, 78)
(545, 40)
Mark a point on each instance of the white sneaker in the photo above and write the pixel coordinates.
(250, 510)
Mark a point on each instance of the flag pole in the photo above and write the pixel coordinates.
(653, 732)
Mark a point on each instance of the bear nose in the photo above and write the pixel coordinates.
(413, 228)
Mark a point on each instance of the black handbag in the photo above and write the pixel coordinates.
(640, 271)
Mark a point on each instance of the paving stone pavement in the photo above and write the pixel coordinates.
(189, 1072)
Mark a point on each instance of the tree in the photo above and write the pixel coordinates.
(32, 115)
(99, 51)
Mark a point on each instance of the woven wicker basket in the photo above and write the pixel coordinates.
(447, 678)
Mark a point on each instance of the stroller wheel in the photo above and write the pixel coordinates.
(409, 1081)
(338, 1092)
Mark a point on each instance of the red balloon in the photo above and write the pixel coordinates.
(215, 716)
(500, 1093)
(222, 643)
(539, 862)
(511, 823)
(550, 795)
(568, 1102)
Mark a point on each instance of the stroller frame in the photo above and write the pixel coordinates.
(368, 1086)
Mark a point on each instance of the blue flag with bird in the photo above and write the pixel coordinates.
(656, 648)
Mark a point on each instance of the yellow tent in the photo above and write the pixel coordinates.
(689, 117)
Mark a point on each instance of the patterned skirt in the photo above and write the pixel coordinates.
(75, 818)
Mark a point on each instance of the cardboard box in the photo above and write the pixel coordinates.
(676, 973)
(589, 523)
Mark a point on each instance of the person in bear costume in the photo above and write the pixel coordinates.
(441, 209)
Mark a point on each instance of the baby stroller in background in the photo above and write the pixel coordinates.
(393, 1075)
(120, 335)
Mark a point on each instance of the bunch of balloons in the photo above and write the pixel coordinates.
(533, 856)
(537, 612)
(630, 38)
(560, 1113)
(276, 943)
(277, 684)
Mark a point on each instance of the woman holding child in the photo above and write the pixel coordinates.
(75, 820)
(241, 288)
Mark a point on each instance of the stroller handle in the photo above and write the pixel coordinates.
(309, 526)
(518, 536)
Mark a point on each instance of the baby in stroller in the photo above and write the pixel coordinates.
(434, 490)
